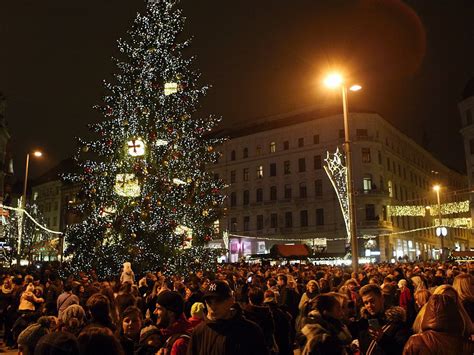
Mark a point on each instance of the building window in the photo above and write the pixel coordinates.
(304, 218)
(471, 145)
(232, 155)
(318, 188)
(246, 174)
(245, 153)
(232, 176)
(233, 199)
(273, 193)
(274, 220)
(468, 117)
(361, 133)
(273, 147)
(367, 183)
(288, 191)
(246, 223)
(300, 142)
(316, 139)
(288, 219)
(317, 162)
(233, 224)
(303, 190)
(390, 188)
(273, 169)
(320, 217)
(246, 197)
(258, 150)
(259, 222)
(366, 155)
(301, 165)
(370, 212)
(286, 167)
(286, 145)
(341, 134)
(379, 155)
(259, 193)
(260, 172)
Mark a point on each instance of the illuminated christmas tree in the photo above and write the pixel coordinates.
(147, 197)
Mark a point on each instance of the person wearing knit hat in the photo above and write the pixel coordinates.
(73, 319)
(173, 325)
(29, 337)
(57, 343)
(150, 341)
(197, 314)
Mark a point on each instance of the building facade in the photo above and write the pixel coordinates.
(279, 192)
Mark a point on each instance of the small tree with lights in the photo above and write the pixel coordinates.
(147, 197)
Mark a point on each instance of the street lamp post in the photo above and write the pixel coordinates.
(436, 188)
(23, 202)
(336, 80)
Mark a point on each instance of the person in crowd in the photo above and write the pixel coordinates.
(259, 313)
(52, 293)
(174, 327)
(418, 283)
(306, 303)
(272, 285)
(325, 332)
(29, 337)
(28, 300)
(125, 297)
(6, 294)
(194, 296)
(57, 343)
(288, 296)
(379, 331)
(197, 314)
(150, 341)
(108, 292)
(129, 332)
(225, 331)
(98, 309)
(73, 319)
(284, 333)
(127, 274)
(362, 278)
(463, 284)
(99, 341)
(406, 300)
(66, 299)
(421, 298)
(442, 329)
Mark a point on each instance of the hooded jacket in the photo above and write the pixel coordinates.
(262, 316)
(441, 327)
(235, 335)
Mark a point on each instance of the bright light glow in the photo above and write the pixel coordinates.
(179, 181)
(136, 147)
(160, 142)
(432, 210)
(355, 87)
(171, 88)
(127, 185)
(37, 153)
(436, 188)
(333, 80)
(441, 231)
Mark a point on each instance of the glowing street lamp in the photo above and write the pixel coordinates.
(336, 80)
(437, 188)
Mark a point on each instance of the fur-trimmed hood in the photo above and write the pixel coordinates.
(393, 314)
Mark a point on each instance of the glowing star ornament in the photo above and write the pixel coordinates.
(161, 142)
(337, 173)
(171, 88)
(136, 147)
(126, 185)
(178, 182)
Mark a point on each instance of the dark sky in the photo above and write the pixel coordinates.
(262, 57)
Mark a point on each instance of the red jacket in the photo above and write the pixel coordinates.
(179, 334)
(405, 298)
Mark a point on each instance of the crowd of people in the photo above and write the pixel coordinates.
(405, 308)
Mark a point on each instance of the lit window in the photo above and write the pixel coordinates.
(367, 183)
(390, 188)
(272, 147)
(366, 155)
(260, 172)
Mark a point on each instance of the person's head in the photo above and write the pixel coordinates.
(99, 341)
(402, 284)
(169, 306)
(73, 318)
(312, 286)
(372, 298)
(151, 336)
(68, 287)
(269, 297)
(127, 267)
(447, 290)
(442, 314)
(131, 322)
(282, 280)
(421, 297)
(219, 300)
(347, 306)
(98, 306)
(463, 284)
(57, 343)
(7, 282)
(197, 310)
(126, 288)
(30, 287)
(329, 306)
(255, 296)
(29, 337)
(271, 283)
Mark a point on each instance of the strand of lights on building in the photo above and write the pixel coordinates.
(420, 211)
(337, 174)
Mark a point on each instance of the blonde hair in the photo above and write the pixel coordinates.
(462, 285)
(422, 296)
(418, 283)
(451, 292)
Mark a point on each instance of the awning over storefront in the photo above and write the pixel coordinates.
(290, 251)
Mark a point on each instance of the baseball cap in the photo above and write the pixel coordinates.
(218, 290)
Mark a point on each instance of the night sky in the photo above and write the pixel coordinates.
(262, 57)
